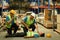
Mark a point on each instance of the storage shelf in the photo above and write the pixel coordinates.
(36, 7)
(5, 7)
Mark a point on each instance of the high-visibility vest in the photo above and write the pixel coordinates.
(30, 33)
(9, 25)
(29, 22)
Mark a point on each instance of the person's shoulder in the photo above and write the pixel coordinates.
(25, 17)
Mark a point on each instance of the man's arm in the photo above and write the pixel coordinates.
(25, 24)
(17, 23)
(8, 20)
(36, 25)
(16, 20)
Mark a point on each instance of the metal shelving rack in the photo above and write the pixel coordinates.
(48, 7)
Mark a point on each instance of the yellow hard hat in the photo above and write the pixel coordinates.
(12, 11)
(48, 35)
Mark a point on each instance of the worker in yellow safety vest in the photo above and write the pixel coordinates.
(11, 22)
(29, 23)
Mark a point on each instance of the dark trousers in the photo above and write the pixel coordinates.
(15, 28)
(26, 30)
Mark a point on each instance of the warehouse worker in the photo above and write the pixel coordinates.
(11, 22)
(29, 22)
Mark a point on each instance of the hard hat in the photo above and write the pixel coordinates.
(12, 11)
(33, 14)
(48, 35)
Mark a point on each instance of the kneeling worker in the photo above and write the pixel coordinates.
(11, 22)
(29, 22)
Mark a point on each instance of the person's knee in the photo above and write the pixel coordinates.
(33, 28)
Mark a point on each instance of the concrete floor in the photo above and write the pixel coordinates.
(55, 36)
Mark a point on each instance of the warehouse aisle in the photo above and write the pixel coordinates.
(55, 36)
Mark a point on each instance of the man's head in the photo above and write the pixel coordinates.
(12, 12)
(32, 15)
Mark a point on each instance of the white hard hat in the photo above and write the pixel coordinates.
(33, 14)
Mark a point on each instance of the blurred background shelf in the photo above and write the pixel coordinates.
(36, 7)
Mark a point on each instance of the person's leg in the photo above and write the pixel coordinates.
(25, 30)
(15, 28)
(9, 31)
(32, 26)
